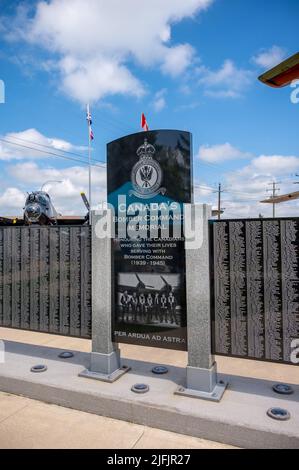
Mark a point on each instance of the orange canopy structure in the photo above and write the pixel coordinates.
(283, 74)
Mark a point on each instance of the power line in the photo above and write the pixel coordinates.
(47, 146)
(215, 166)
(111, 128)
(118, 124)
(106, 122)
(244, 193)
(51, 147)
(52, 153)
(203, 187)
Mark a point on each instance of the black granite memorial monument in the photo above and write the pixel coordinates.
(149, 180)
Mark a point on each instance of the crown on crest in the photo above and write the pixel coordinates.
(146, 150)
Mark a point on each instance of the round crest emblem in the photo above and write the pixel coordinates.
(146, 176)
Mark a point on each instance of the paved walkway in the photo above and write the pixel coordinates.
(29, 424)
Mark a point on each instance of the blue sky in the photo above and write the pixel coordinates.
(189, 65)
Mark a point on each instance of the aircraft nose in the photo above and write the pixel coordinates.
(33, 212)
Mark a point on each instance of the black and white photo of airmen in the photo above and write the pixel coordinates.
(125, 303)
(149, 299)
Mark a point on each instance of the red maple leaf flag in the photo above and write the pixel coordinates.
(144, 124)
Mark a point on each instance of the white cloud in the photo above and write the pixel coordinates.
(246, 187)
(185, 89)
(188, 106)
(65, 195)
(92, 42)
(268, 58)
(159, 100)
(25, 176)
(90, 80)
(227, 82)
(204, 193)
(221, 153)
(16, 145)
(177, 59)
(272, 165)
(12, 201)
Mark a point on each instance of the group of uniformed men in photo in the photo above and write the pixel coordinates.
(148, 308)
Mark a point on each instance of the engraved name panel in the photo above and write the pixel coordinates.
(255, 282)
(45, 279)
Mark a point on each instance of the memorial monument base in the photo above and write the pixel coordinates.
(202, 383)
(105, 367)
(240, 419)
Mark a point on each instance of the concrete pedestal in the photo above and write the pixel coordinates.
(105, 367)
(201, 372)
(105, 355)
(202, 383)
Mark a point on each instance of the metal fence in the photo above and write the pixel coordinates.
(45, 279)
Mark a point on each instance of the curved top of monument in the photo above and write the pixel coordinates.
(152, 131)
(151, 164)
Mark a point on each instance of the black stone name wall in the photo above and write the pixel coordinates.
(45, 279)
(255, 287)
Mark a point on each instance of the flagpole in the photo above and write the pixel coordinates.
(89, 164)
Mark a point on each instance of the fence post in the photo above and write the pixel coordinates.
(201, 370)
(105, 355)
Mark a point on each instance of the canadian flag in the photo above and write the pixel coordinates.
(144, 124)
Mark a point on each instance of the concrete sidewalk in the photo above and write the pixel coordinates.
(29, 424)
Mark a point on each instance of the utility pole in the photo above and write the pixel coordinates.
(219, 201)
(219, 191)
(274, 189)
